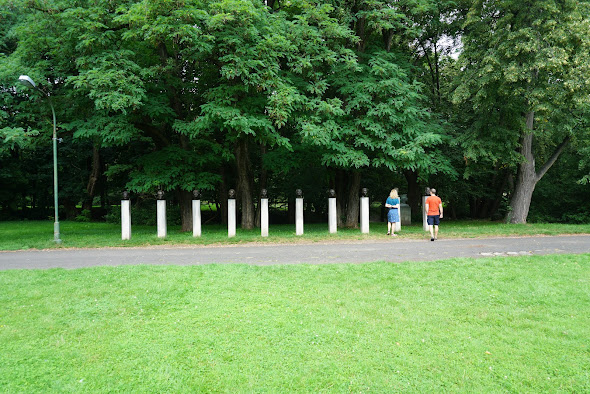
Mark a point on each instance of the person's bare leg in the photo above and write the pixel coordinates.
(435, 232)
(431, 232)
(388, 228)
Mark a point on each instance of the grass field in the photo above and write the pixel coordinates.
(517, 324)
(39, 235)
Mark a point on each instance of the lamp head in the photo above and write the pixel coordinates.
(27, 81)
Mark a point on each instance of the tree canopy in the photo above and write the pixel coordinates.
(212, 95)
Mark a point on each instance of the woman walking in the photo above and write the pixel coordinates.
(392, 203)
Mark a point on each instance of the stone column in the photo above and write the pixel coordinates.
(161, 212)
(231, 213)
(405, 211)
(424, 216)
(263, 213)
(125, 216)
(332, 220)
(298, 212)
(365, 211)
(196, 213)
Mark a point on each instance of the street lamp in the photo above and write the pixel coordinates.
(28, 82)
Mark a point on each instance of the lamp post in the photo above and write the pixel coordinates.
(28, 82)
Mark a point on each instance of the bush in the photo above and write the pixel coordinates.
(84, 216)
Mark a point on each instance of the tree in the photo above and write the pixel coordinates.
(376, 115)
(524, 73)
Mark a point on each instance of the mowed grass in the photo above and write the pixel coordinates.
(39, 234)
(515, 324)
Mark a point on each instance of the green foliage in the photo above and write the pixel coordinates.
(12, 138)
(113, 81)
(114, 130)
(166, 91)
(385, 116)
(166, 169)
(520, 57)
(558, 197)
(85, 216)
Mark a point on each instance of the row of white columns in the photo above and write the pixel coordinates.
(231, 217)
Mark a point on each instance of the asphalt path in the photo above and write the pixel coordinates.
(389, 250)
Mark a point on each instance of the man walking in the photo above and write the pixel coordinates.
(434, 212)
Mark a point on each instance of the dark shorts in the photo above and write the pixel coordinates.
(433, 220)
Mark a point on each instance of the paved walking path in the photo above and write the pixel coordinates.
(391, 250)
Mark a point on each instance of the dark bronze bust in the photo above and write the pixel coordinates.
(231, 194)
(332, 193)
(427, 191)
(160, 195)
(365, 192)
(125, 195)
(299, 193)
(196, 194)
(263, 193)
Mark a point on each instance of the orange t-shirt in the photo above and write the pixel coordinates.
(433, 203)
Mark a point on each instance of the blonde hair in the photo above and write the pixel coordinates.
(393, 193)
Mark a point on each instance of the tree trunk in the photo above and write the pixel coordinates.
(521, 200)
(262, 183)
(484, 208)
(70, 208)
(291, 210)
(223, 191)
(186, 209)
(414, 195)
(388, 35)
(499, 194)
(352, 210)
(360, 32)
(473, 207)
(92, 179)
(341, 196)
(245, 184)
(453, 212)
(527, 177)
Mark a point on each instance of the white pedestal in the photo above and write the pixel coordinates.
(264, 217)
(161, 208)
(424, 216)
(332, 222)
(299, 216)
(365, 215)
(196, 218)
(125, 219)
(231, 218)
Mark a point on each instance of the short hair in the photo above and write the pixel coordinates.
(433, 190)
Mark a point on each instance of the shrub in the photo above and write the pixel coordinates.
(84, 216)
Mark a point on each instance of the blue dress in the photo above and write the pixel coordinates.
(393, 214)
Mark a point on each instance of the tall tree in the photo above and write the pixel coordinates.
(267, 61)
(378, 115)
(524, 72)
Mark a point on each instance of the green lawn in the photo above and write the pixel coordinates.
(516, 324)
(39, 234)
